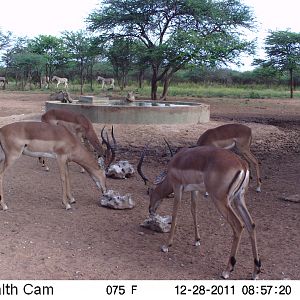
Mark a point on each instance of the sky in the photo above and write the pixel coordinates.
(35, 17)
(271, 15)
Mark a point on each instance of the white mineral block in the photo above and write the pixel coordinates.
(114, 200)
(120, 170)
(158, 223)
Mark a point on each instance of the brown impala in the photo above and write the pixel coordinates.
(38, 139)
(224, 176)
(83, 129)
(231, 136)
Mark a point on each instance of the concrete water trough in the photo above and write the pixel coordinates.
(103, 110)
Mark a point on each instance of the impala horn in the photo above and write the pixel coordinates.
(113, 138)
(158, 178)
(169, 147)
(110, 153)
(139, 166)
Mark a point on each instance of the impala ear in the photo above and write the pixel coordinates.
(101, 163)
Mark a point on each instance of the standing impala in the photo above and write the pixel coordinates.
(39, 139)
(78, 123)
(82, 127)
(229, 136)
(224, 176)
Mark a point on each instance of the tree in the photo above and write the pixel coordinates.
(80, 47)
(121, 55)
(19, 46)
(176, 32)
(53, 50)
(283, 53)
(26, 64)
(5, 39)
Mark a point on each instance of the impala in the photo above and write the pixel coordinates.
(39, 139)
(220, 172)
(83, 129)
(231, 136)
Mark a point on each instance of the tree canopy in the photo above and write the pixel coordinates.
(176, 32)
(283, 53)
(5, 39)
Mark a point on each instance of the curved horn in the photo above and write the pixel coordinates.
(113, 137)
(110, 153)
(103, 139)
(170, 149)
(139, 166)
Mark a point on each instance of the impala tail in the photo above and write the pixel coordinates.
(239, 183)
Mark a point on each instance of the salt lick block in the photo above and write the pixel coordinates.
(114, 200)
(158, 223)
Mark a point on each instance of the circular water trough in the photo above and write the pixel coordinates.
(137, 112)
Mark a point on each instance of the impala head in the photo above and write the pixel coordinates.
(158, 189)
(99, 176)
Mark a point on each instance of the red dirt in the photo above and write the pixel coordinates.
(41, 240)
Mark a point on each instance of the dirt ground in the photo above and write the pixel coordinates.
(41, 240)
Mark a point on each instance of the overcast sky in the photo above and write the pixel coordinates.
(34, 17)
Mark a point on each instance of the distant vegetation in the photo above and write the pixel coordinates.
(158, 48)
(222, 91)
(194, 82)
(195, 90)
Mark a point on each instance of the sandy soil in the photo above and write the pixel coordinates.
(41, 240)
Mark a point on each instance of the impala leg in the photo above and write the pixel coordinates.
(3, 205)
(177, 200)
(194, 198)
(86, 144)
(250, 226)
(228, 213)
(64, 181)
(68, 186)
(4, 164)
(252, 159)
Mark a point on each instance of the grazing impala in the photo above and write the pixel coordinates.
(39, 139)
(231, 136)
(220, 172)
(77, 123)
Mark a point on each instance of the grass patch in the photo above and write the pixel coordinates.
(181, 90)
(219, 91)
